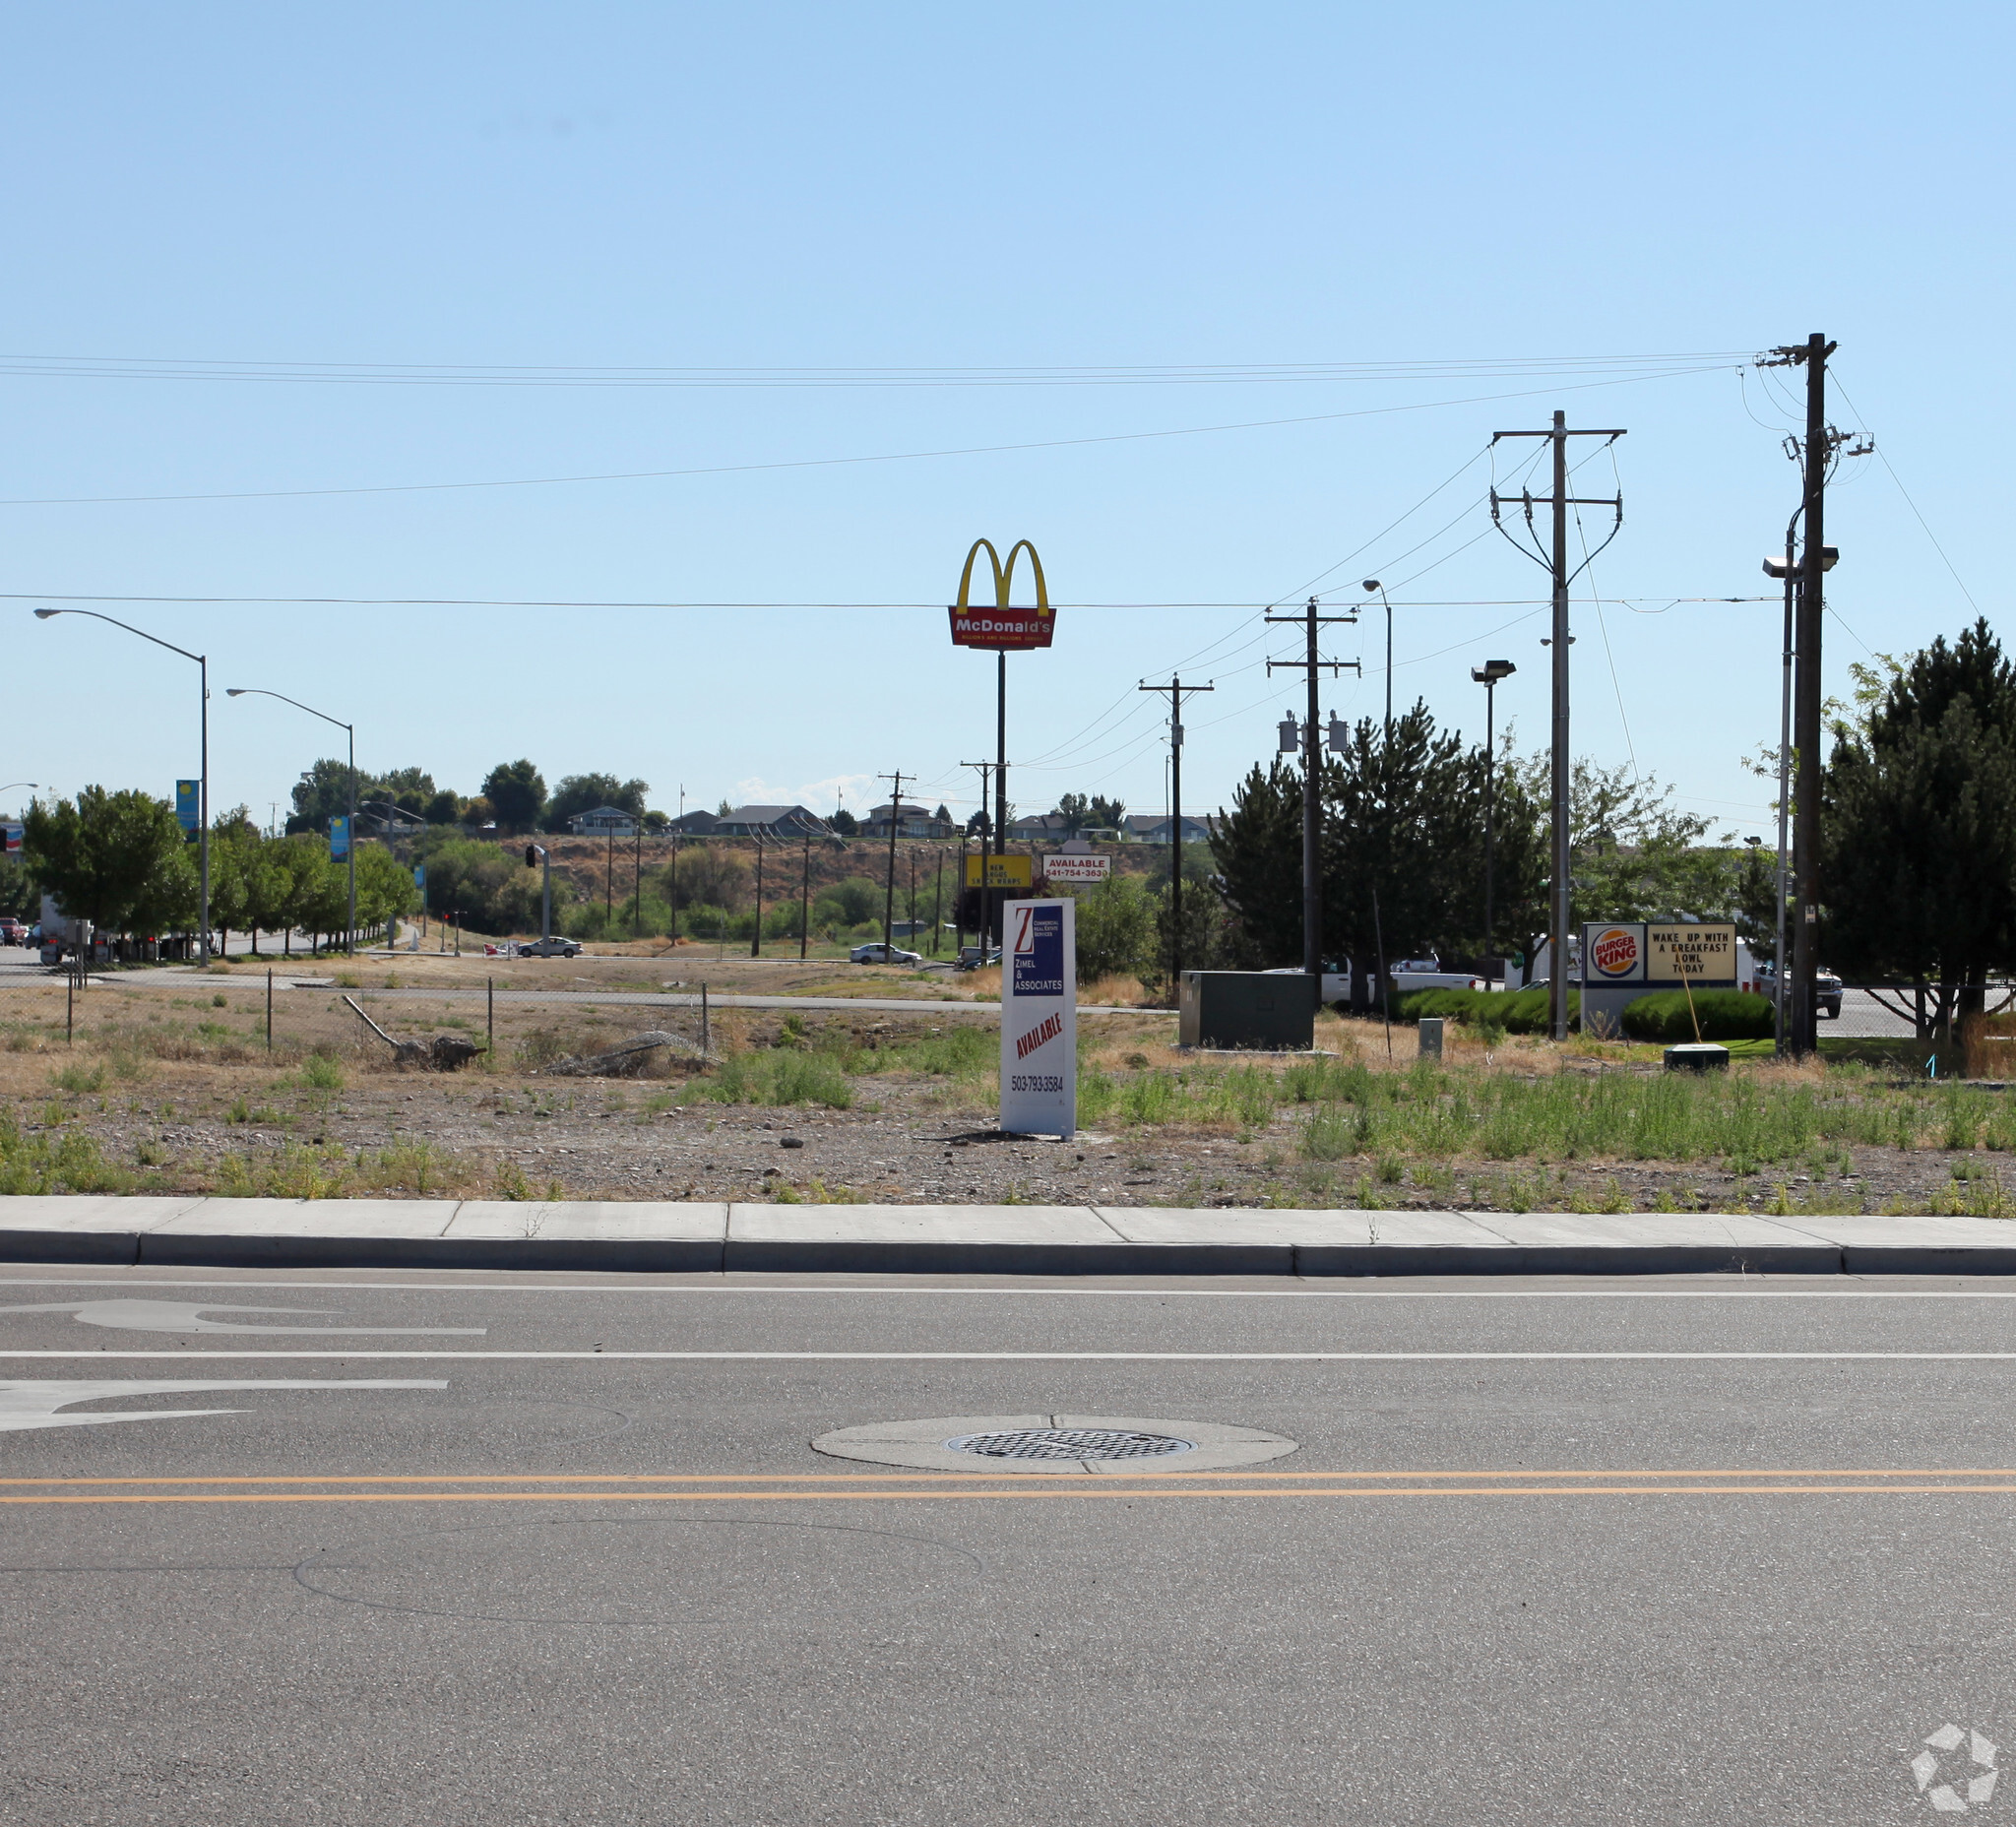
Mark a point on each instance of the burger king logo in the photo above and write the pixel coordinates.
(1616, 951)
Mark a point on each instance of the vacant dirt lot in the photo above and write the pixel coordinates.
(169, 1084)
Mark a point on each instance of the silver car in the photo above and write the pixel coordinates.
(876, 953)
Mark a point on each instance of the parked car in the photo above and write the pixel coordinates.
(1335, 978)
(973, 957)
(11, 931)
(1826, 989)
(549, 948)
(876, 953)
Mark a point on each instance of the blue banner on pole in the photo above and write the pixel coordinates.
(338, 837)
(188, 804)
(420, 876)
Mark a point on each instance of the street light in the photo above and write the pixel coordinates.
(203, 812)
(1368, 586)
(351, 822)
(1487, 675)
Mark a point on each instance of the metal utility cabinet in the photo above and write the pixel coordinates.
(1246, 1008)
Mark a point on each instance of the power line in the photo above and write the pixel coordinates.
(582, 603)
(425, 375)
(812, 463)
(1913, 507)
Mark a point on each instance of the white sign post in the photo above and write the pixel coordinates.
(1039, 1019)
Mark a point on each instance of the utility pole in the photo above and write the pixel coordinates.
(889, 899)
(1816, 456)
(806, 901)
(1312, 787)
(938, 903)
(756, 939)
(987, 904)
(1806, 702)
(1556, 562)
(1178, 693)
(959, 903)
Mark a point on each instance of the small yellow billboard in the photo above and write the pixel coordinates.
(1002, 872)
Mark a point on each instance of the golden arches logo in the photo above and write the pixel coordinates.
(1002, 625)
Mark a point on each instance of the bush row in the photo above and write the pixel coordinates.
(1515, 1011)
(1723, 1014)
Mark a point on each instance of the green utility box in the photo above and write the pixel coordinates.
(1246, 1008)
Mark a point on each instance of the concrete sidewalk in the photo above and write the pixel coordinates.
(925, 1240)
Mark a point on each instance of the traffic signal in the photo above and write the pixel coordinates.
(531, 856)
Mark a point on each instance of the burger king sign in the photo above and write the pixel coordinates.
(1614, 955)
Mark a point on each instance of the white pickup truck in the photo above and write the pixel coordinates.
(1335, 978)
(1412, 974)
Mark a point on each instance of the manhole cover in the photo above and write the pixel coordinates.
(1075, 1443)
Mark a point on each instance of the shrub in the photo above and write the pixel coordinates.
(1509, 1011)
(321, 1073)
(1115, 928)
(1723, 1014)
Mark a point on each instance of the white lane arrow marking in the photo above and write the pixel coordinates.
(184, 1316)
(24, 1406)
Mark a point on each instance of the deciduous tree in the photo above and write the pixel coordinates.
(517, 792)
(113, 858)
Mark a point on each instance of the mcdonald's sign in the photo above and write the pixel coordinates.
(998, 625)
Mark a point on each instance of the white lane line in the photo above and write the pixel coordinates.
(1823, 1288)
(1124, 1357)
(28, 1406)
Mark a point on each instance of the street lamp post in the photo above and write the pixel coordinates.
(349, 823)
(385, 812)
(1368, 586)
(1487, 675)
(1790, 572)
(202, 810)
(545, 895)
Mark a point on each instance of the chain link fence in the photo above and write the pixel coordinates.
(1897, 1011)
(242, 1016)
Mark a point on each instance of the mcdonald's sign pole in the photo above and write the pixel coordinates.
(1001, 629)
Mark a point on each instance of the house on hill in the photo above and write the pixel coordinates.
(1039, 828)
(604, 821)
(1142, 827)
(910, 821)
(776, 822)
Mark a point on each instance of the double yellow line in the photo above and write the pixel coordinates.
(898, 1487)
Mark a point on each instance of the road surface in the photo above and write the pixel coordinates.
(478, 1550)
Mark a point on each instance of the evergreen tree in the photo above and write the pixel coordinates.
(1403, 819)
(1918, 826)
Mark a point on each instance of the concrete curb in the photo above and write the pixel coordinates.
(643, 1237)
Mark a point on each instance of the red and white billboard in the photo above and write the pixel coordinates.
(1003, 629)
(1070, 868)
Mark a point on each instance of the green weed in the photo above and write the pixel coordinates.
(319, 1072)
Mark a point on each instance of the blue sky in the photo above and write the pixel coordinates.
(407, 193)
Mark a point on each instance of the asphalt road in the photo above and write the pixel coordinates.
(1547, 1553)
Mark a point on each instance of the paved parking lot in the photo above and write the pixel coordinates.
(349, 1548)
